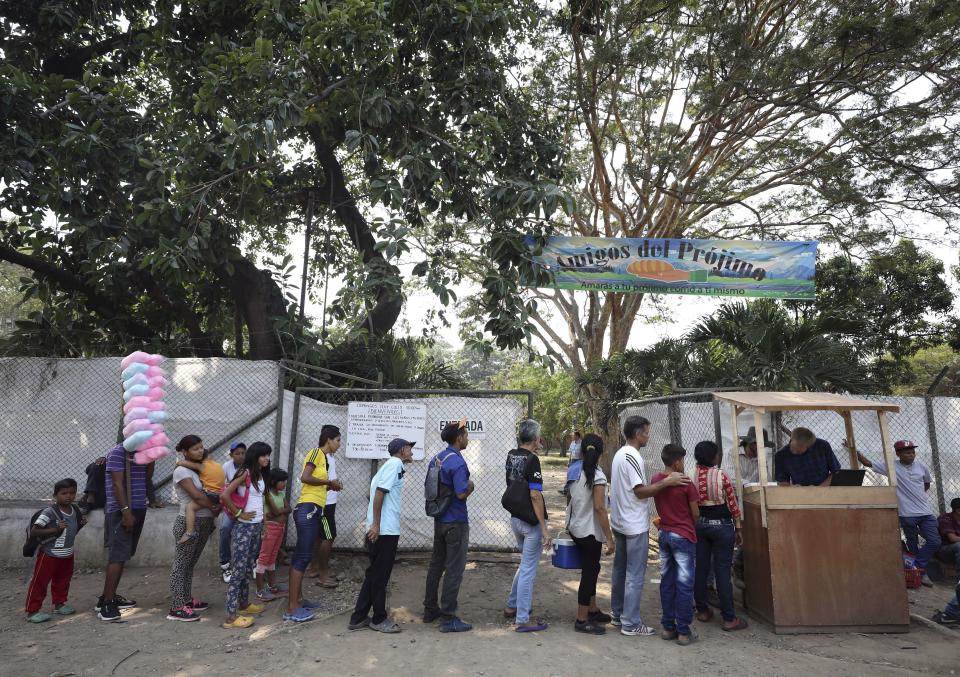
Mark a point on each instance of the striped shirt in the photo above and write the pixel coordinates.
(138, 481)
(716, 494)
(60, 546)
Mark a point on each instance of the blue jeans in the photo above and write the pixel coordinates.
(530, 541)
(926, 526)
(309, 521)
(953, 606)
(715, 546)
(629, 570)
(677, 562)
(226, 528)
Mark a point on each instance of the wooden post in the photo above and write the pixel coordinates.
(888, 455)
(851, 443)
(761, 464)
(735, 432)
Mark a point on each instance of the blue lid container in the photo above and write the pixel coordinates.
(565, 554)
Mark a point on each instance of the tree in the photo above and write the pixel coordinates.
(726, 119)
(554, 404)
(177, 145)
(12, 304)
(925, 365)
(898, 301)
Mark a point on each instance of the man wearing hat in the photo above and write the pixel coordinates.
(913, 483)
(749, 462)
(382, 538)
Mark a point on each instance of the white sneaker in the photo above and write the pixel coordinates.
(640, 631)
(225, 572)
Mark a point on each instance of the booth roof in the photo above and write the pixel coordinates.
(766, 401)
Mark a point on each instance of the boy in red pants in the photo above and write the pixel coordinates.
(57, 526)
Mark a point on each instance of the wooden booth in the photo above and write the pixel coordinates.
(821, 559)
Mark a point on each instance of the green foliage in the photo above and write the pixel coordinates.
(554, 398)
(925, 365)
(154, 153)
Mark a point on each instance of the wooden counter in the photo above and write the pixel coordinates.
(829, 559)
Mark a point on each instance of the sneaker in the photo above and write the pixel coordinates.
(430, 616)
(279, 588)
(64, 610)
(265, 595)
(225, 572)
(615, 621)
(455, 625)
(944, 619)
(359, 625)
(299, 615)
(124, 603)
(668, 635)
(310, 604)
(640, 631)
(108, 611)
(589, 627)
(599, 617)
(198, 605)
(925, 581)
(39, 617)
(388, 626)
(687, 640)
(184, 613)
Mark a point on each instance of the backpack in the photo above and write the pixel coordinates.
(32, 543)
(438, 496)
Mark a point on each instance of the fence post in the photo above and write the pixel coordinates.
(673, 421)
(278, 425)
(935, 452)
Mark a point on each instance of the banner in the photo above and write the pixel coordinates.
(758, 268)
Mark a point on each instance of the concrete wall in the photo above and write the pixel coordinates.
(155, 549)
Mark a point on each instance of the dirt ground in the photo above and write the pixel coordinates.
(145, 643)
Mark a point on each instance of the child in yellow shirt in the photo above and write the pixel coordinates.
(213, 480)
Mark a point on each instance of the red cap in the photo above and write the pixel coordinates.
(903, 445)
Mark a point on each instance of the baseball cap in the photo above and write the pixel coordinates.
(903, 445)
(398, 443)
(450, 431)
(751, 436)
(237, 444)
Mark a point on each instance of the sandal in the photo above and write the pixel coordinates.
(238, 623)
(330, 585)
(299, 615)
(253, 609)
(388, 626)
(537, 625)
(739, 624)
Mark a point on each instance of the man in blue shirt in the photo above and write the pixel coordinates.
(451, 533)
(806, 461)
(383, 535)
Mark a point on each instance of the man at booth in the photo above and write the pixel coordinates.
(806, 461)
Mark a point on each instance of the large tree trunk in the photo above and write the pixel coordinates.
(260, 302)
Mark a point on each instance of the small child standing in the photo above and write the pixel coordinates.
(57, 526)
(277, 508)
(213, 479)
(678, 510)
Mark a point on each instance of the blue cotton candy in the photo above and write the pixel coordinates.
(135, 391)
(136, 439)
(157, 416)
(133, 370)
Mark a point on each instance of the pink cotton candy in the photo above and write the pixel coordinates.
(136, 356)
(156, 406)
(134, 414)
(156, 381)
(154, 360)
(136, 426)
(158, 440)
(156, 393)
(141, 458)
(153, 372)
(136, 403)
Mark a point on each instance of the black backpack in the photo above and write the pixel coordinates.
(438, 496)
(32, 543)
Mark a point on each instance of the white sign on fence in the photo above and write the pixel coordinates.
(477, 427)
(371, 426)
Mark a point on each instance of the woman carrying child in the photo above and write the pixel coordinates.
(589, 526)
(243, 498)
(277, 508)
(189, 487)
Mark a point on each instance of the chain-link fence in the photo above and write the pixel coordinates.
(496, 413)
(59, 415)
(932, 423)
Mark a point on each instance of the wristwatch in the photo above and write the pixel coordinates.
(126, 507)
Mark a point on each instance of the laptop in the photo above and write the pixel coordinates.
(848, 478)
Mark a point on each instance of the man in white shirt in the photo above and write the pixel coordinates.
(574, 451)
(630, 520)
(749, 461)
(916, 518)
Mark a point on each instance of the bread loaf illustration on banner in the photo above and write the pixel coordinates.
(657, 269)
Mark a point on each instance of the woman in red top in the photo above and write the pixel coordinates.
(718, 529)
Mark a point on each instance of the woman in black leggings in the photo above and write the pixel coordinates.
(587, 523)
